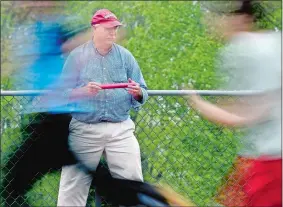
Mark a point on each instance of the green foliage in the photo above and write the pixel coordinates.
(183, 150)
(44, 191)
(273, 15)
(172, 47)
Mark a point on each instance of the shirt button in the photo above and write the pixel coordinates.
(104, 68)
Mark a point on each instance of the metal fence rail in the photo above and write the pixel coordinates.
(178, 147)
(150, 92)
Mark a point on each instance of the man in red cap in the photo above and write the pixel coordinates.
(105, 126)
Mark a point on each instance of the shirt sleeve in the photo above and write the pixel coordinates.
(70, 74)
(135, 74)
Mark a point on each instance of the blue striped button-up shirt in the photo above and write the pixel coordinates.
(84, 64)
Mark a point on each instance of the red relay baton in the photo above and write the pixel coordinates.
(114, 85)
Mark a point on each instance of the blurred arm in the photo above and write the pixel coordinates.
(76, 41)
(220, 116)
(69, 77)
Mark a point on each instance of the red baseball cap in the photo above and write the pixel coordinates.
(105, 18)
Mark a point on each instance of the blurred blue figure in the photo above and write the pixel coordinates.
(39, 45)
(40, 48)
(48, 56)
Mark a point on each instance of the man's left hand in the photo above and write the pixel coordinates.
(135, 90)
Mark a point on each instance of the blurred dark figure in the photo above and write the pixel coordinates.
(123, 192)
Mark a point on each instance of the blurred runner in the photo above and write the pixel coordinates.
(252, 61)
(39, 44)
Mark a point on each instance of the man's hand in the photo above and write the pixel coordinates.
(135, 90)
(91, 89)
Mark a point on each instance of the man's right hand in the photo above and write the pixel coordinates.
(91, 89)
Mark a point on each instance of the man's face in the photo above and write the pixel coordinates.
(105, 34)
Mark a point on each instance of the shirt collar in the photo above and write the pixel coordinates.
(97, 52)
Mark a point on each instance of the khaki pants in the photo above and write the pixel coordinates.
(89, 141)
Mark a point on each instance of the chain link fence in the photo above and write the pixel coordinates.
(178, 148)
